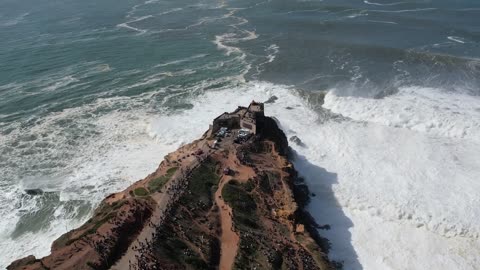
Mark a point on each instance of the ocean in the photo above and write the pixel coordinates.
(385, 95)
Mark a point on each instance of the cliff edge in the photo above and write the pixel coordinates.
(229, 200)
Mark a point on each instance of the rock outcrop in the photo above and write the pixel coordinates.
(228, 201)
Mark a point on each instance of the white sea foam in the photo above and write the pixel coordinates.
(141, 18)
(225, 41)
(133, 10)
(378, 186)
(358, 14)
(319, 10)
(383, 4)
(170, 11)
(152, 79)
(63, 82)
(403, 10)
(199, 22)
(456, 39)
(231, 38)
(187, 59)
(386, 22)
(15, 20)
(272, 51)
(437, 113)
(396, 196)
(120, 153)
(126, 26)
(411, 181)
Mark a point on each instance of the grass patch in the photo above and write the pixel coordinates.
(247, 253)
(140, 192)
(249, 185)
(202, 186)
(116, 205)
(102, 221)
(242, 203)
(157, 183)
(196, 263)
(176, 250)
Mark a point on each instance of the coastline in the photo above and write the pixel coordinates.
(128, 228)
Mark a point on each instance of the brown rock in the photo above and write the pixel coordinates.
(21, 263)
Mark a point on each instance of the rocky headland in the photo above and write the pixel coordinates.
(229, 200)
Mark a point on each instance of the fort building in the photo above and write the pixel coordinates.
(250, 118)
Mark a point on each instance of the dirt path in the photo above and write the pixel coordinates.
(229, 238)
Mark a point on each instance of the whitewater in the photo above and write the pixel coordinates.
(397, 193)
(395, 178)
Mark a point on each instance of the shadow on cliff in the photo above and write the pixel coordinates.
(327, 212)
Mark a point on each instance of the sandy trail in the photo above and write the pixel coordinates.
(229, 238)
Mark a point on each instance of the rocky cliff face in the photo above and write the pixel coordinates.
(232, 206)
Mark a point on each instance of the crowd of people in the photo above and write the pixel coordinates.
(144, 257)
(103, 244)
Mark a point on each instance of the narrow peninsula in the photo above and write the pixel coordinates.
(229, 200)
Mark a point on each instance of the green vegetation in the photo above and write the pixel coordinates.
(196, 201)
(242, 203)
(202, 185)
(101, 222)
(157, 183)
(246, 256)
(176, 250)
(140, 192)
(239, 197)
(197, 263)
(116, 205)
(249, 185)
(269, 182)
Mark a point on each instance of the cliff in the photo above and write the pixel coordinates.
(230, 200)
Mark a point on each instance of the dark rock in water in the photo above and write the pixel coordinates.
(289, 108)
(297, 141)
(33, 192)
(324, 227)
(313, 194)
(301, 194)
(272, 99)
